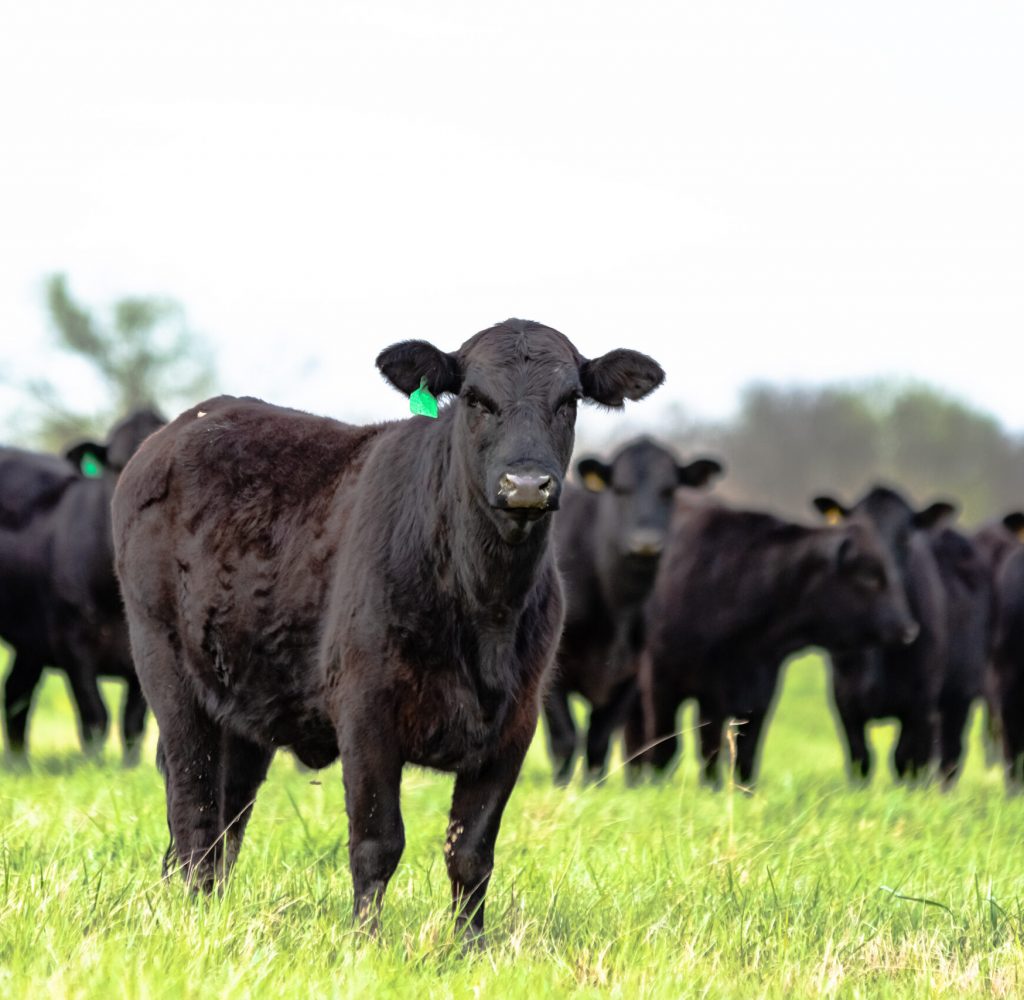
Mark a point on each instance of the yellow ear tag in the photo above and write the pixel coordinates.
(1020, 534)
(833, 515)
(594, 482)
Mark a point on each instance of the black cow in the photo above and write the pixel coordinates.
(59, 602)
(899, 681)
(739, 591)
(384, 592)
(968, 591)
(1000, 542)
(1008, 664)
(609, 538)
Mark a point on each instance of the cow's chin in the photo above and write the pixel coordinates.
(516, 525)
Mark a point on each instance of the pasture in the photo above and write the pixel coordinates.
(808, 888)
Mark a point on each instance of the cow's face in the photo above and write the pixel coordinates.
(123, 441)
(860, 599)
(516, 388)
(637, 492)
(891, 516)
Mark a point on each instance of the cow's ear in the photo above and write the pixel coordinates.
(404, 364)
(1015, 522)
(594, 474)
(88, 457)
(933, 513)
(620, 375)
(699, 472)
(832, 510)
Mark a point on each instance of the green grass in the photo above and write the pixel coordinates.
(807, 888)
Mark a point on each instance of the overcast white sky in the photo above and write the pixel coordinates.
(788, 192)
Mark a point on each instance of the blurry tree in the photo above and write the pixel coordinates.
(144, 352)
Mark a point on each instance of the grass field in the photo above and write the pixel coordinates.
(807, 888)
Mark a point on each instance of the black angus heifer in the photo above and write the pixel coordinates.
(968, 589)
(1008, 664)
(609, 537)
(737, 593)
(995, 541)
(897, 680)
(385, 592)
(59, 602)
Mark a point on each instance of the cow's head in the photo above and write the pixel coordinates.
(122, 442)
(638, 489)
(890, 515)
(516, 388)
(858, 598)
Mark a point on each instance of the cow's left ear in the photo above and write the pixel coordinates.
(88, 457)
(404, 364)
(932, 514)
(699, 472)
(830, 508)
(620, 375)
(594, 474)
(1015, 522)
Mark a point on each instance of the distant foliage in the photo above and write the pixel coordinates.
(785, 445)
(143, 351)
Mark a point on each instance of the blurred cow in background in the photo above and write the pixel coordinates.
(59, 601)
(609, 538)
(1002, 543)
(738, 592)
(905, 682)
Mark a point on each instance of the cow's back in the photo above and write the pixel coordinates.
(226, 525)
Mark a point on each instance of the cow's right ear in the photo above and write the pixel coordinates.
(1015, 522)
(88, 457)
(594, 474)
(404, 364)
(832, 510)
(699, 472)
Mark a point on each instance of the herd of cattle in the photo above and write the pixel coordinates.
(400, 593)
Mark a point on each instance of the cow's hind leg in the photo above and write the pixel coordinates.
(189, 755)
(915, 747)
(478, 802)
(244, 766)
(26, 669)
(604, 720)
(561, 735)
(133, 721)
(858, 753)
(951, 739)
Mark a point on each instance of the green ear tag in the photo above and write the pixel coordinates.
(90, 465)
(422, 403)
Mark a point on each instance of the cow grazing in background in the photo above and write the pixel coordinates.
(737, 593)
(609, 537)
(59, 602)
(896, 680)
(387, 593)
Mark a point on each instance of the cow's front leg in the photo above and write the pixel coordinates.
(372, 773)
(477, 804)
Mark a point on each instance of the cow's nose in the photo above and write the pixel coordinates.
(646, 542)
(910, 633)
(526, 490)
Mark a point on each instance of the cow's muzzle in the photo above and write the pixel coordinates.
(528, 491)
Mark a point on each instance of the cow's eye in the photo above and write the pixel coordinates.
(475, 402)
